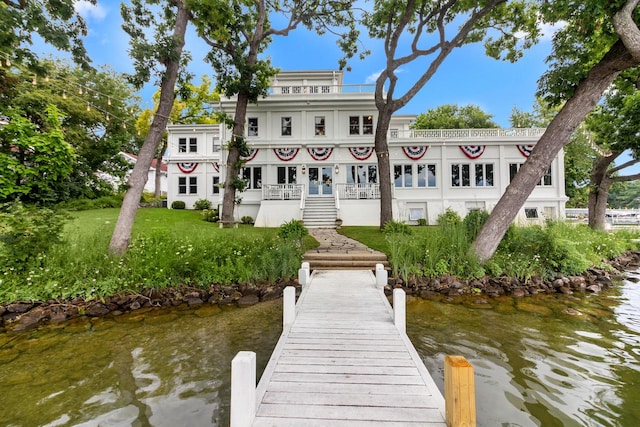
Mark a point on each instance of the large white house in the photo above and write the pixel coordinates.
(312, 158)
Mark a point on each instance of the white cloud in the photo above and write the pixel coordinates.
(371, 78)
(547, 31)
(90, 11)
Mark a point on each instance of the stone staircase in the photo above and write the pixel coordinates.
(319, 212)
(354, 260)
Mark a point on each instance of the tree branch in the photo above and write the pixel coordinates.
(627, 29)
(626, 178)
(624, 165)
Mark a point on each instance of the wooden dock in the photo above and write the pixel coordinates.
(343, 362)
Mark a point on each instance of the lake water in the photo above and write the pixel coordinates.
(543, 361)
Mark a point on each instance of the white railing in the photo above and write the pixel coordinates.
(358, 191)
(320, 89)
(282, 192)
(464, 133)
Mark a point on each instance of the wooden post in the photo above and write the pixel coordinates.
(400, 310)
(303, 274)
(459, 392)
(243, 389)
(382, 275)
(289, 307)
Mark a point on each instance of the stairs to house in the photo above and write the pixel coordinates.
(319, 212)
(352, 260)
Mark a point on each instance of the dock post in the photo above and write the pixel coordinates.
(459, 392)
(303, 274)
(243, 389)
(289, 307)
(400, 310)
(382, 275)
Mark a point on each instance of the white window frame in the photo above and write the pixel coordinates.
(254, 181)
(286, 122)
(461, 169)
(253, 126)
(188, 184)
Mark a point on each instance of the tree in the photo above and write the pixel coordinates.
(614, 124)
(451, 116)
(164, 56)
(589, 53)
(56, 21)
(432, 29)
(238, 32)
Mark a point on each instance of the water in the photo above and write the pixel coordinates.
(537, 362)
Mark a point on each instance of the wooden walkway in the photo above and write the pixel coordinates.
(344, 363)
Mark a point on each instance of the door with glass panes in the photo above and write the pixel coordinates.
(321, 181)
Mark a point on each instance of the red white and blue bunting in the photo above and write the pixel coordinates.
(525, 150)
(252, 154)
(472, 151)
(187, 167)
(415, 153)
(286, 154)
(216, 166)
(320, 154)
(361, 153)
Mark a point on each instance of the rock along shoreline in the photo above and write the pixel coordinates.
(24, 315)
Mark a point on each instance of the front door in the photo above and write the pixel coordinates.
(321, 181)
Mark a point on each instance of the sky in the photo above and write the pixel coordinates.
(466, 77)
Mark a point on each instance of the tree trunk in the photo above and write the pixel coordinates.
(122, 233)
(557, 135)
(384, 166)
(158, 177)
(233, 159)
(600, 183)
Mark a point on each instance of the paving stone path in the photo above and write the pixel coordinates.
(331, 241)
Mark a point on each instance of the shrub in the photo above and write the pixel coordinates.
(293, 230)
(422, 222)
(397, 227)
(474, 221)
(246, 219)
(210, 215)
(84, 204)
(449, 217)
(178, 204)
(202, 204)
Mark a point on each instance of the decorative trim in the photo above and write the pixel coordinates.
(361, 153)
(473, 151)
(216, 166)
(320, 154)
(253, 152)
(415, 153)
(187, 167)
(286, 154)
(525, 150)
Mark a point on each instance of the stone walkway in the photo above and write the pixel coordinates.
(331, 241)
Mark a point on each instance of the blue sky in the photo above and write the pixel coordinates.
(466, 77)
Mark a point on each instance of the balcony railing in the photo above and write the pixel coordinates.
(464, 133)
(294, 89)
(358, 191)
(282, 191)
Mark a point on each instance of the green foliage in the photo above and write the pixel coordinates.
(451, 116)
(397, 227)
(84, 204)
(449, 217)
(293, 230)
(201, 204)
(474, 221)
(422, 222)
(246, 219)
(26, 236)
(178, 204)
(210, 215)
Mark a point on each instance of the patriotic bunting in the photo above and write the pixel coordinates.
(216, 166)
(252, 154)
(525, 150)
(361, 153)
(415, 153)
(473, 151)
(187, 167)
(320, 153)
(286, 154)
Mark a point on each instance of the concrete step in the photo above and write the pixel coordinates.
(352, 260)
(345, 265)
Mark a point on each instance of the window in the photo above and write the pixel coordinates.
(286, 126)
(193, 145)
(484, 175)
(362, 174)
(354, 125)
(531, 213)
(403, 175)
(252, 127)
(215, 145)
(287, 174)
(545, 181)
(320, 126)
(426, 175)
(187, 187)
(253, 177)
(367, 125)
(216, 185)
(182, 145)
(414, 175)
(460, 175)
(355, 122)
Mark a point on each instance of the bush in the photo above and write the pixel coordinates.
(293, 230)
(246, 219)
(397, 227)
(422, 222)
(210, 215)
(178, 204)
(26, 235)
(449, 217)
(474, 221)
(84, 204)
(202, 204)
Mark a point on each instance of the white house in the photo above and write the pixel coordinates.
(150, 185)
(312, 158)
